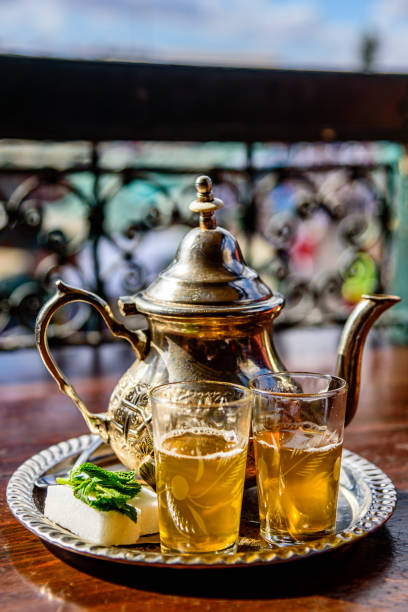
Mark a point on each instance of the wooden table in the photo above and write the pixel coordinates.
(373, 573)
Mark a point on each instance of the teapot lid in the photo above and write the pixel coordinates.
(208, 275)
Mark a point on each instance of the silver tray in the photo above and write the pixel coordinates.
(367, 499)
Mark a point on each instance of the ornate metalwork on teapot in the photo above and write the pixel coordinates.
(210, 317)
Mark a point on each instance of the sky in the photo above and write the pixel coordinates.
(323, 34)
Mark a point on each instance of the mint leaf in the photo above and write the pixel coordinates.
(102, 489)
(121, 481)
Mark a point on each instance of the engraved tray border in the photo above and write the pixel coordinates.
(378, 492)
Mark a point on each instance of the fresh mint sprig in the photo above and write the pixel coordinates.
(104, 490)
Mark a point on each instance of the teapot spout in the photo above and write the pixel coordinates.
(350, 351)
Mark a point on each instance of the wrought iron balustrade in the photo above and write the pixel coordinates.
(316, 220)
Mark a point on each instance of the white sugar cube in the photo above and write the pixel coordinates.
(104, 528)
(146, 502)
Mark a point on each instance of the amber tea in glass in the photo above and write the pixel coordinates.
(298, 425)
(200, 432)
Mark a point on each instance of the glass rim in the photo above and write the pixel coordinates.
(343, 386)
(247, 393)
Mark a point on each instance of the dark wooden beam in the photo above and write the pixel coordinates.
(71, 100)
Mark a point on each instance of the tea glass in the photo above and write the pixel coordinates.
(297, 423)
(200, 433)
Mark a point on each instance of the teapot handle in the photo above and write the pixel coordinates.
(97, 423)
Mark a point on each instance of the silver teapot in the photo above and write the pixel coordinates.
(209, 317)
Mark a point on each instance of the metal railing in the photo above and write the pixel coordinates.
(315, 220)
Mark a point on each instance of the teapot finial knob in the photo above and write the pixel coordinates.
(205, 203)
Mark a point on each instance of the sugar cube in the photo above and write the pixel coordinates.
(103, 528)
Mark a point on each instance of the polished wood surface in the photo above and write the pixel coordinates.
(371, 574)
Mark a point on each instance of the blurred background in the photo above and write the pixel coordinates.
(95, 190)
(272, 33)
